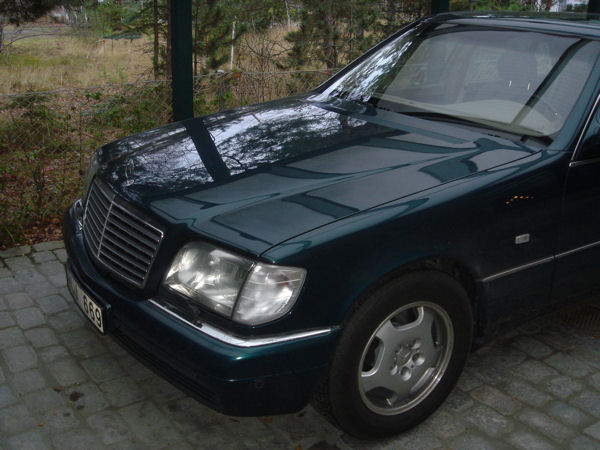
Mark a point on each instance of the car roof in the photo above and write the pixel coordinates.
(580, 24)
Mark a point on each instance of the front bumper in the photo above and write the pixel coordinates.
(277, 376)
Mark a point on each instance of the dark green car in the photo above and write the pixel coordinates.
(351, 245)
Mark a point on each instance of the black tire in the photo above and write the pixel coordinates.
(413, 335)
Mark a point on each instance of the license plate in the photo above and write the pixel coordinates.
(93, 311)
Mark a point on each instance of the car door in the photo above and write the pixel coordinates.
(577, 270)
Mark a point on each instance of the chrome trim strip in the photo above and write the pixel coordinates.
(584, 162)
(578, 249)
(518, 269)
(585, 128)
(540, 261)
(248, 342)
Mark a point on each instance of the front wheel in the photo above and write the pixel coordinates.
(399, 356)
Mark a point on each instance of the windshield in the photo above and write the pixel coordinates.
(522, 82)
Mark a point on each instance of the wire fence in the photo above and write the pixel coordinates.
(47, 138)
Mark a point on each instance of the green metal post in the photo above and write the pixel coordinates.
(439, 6)
(181, 59)
(594, 6)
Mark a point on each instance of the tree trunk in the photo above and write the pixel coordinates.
(169, 37)
(156, 38)
(196, 36)
(1, 33)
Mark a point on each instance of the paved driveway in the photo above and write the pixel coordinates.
(64, 386)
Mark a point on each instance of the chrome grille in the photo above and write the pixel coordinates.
(118, 238)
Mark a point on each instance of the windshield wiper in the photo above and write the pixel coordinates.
(521, 133)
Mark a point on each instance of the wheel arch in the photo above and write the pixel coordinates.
(442, 264)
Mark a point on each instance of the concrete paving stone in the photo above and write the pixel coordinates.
(417, 439)
(558, 340)
(594, 381)
(67, 372)
(41, 337)
(584, 443)
(10, 337)
(86, 398)
(60, 420)
(59, 280)
(49, 245)
(526, 393)
(6, 320)
(188, 415)
(588, 401)
(490, 373)
(28, 381)
(53, 353)
(458, 402)
(15, 251)
(42, 257)
(532, 347)
(51, 268)
(9, 285)
(114, 347)
(66, 321)
(43, 400)
(102, 368)
(545, 425)
(18, 263)
(7, 397)
(489, 421)
(18, 300)
(135, 369)
(468, 381)
(444, 425)
(589, 356)
(122, 391)
(53, 304)
(472, 441)
(494, 398)
(562, 387)
(76, 440)
(20, 358)
(160, 391)
(29, 317)
(4, 272)
(593, 431)
(15, 419)
(109, 426)
(61, 254)
(254, 432)
(527, 440)
(29, 276)
(567, 414)
(84, 342)
(27, 441)
(568, 365)
(142, 419)
(42, 289)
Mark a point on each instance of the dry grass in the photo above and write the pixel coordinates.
(56, 62)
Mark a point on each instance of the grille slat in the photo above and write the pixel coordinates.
(131, 221)
(119, 239)
(149, 245)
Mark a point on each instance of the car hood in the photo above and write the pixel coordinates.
(259, 175)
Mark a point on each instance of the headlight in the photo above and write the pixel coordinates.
(233, 286)
(89, 175)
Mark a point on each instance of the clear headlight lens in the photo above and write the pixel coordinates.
(208, 275)
(236, 287)
(269, 293)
